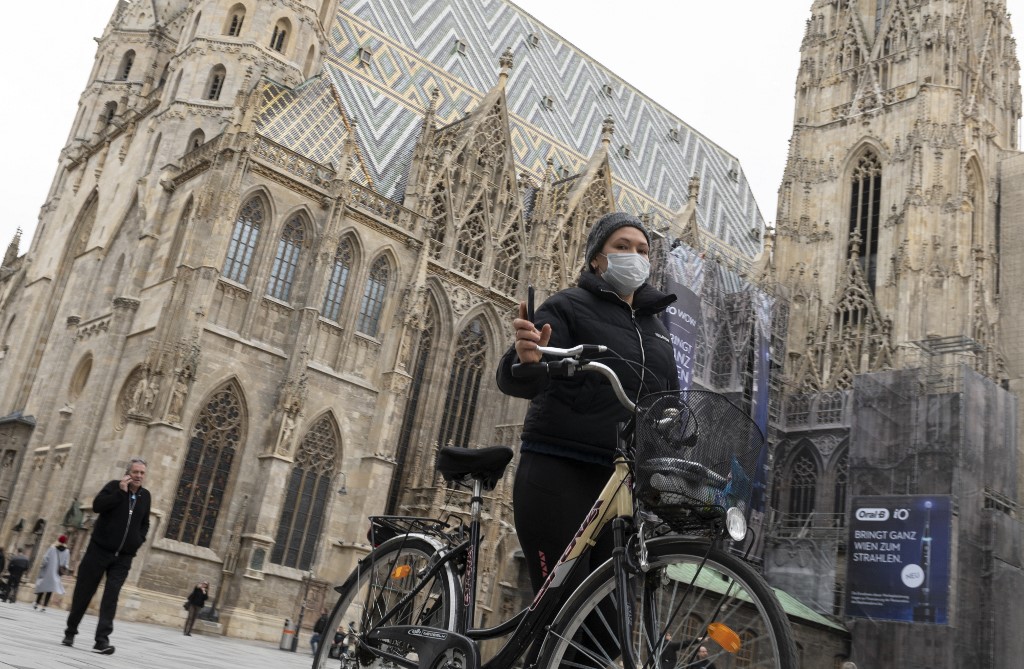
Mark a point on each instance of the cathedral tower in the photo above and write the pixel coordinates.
(888, 215)
(895, 247)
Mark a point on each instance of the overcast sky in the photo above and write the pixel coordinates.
(725, 67)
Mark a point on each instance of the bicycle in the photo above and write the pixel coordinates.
(671, 577)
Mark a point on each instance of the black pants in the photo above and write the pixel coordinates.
(190, 621)
(14, 580)
(551, 497)
(43, 598)
(96, 564)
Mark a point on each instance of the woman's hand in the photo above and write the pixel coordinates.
(528, 337)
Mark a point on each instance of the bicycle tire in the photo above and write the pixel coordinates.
(676, 597)
(373, 589)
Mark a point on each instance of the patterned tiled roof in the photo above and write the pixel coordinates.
(557, 98)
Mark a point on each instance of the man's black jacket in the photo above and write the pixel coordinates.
(122, 523)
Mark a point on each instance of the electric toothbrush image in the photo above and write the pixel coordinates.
(924, 611)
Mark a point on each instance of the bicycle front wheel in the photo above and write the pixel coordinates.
(691, 598)
(377, 591)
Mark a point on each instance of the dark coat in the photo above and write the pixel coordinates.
(122, 523)
(17, 566)
(198, 597)
(576, 418)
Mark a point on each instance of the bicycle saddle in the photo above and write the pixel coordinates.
(487, 464)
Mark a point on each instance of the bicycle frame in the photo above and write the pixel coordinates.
(615, 503)
(613, 506)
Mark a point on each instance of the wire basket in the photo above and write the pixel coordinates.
(696, 455)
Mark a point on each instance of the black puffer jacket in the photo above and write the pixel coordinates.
(122, 524)
(576, 418)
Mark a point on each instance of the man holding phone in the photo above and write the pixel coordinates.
(120, 529)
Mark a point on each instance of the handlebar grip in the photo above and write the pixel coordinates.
(529, 370)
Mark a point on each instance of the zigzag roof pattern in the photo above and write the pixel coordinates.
(557, 99)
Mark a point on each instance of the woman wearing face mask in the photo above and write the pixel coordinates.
(568, 439)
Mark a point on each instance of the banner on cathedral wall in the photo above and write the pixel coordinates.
(762, 304)
(684, 277)
(898, 558)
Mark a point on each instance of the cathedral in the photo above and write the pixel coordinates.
(285, 240)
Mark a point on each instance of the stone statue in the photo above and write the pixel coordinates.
(177, 399)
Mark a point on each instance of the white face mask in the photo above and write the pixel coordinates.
(626, 272)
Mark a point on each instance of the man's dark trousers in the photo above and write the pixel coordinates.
(14, 580)
(97, 563)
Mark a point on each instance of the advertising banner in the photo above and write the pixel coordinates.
(898, 558)
(762, 304)
(684, 277)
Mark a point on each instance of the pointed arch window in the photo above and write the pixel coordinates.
(236, 17)
(289, 248)
(109, 112)
(463, 386)
(307, 498)
(865, 209)
(127, 60)
(279, 38)
(373, 298)
(195, 140)
(243, 241)
(215, 83)
(339, 277)
(215, 438)
(803, 486)
(418, 370)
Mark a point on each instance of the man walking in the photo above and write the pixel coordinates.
(120, 529)
(17, 567)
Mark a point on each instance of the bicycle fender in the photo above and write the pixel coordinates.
(431, 643)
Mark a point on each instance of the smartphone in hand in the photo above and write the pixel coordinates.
(529, 304)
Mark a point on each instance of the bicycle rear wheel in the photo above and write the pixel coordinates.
(375, 590)
(690, 597)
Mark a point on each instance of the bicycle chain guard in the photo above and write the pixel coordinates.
(431, 644)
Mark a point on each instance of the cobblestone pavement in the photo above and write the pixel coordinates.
(31, 640)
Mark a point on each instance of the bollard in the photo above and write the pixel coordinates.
(288, 636)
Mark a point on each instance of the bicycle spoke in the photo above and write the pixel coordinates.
(686, 593)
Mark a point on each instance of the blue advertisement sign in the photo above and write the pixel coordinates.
(898, 558)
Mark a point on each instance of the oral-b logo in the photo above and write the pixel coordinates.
(872, 514)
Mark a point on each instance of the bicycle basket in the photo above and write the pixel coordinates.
(695, 456)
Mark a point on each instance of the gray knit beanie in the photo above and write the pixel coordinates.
(603, 229)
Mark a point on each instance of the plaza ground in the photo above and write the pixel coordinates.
(31, 640)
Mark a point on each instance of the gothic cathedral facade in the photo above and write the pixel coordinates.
(279, 260)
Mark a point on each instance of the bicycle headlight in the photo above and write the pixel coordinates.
(736, 524)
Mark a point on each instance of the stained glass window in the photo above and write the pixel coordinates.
(339, 277)
(307, 498)
(373, 298)
(289, 247)
(243, 241)
(865, 206)
(463, 386)
(803, 485)
(207, 469)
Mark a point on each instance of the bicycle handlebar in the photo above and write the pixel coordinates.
(569, 364)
